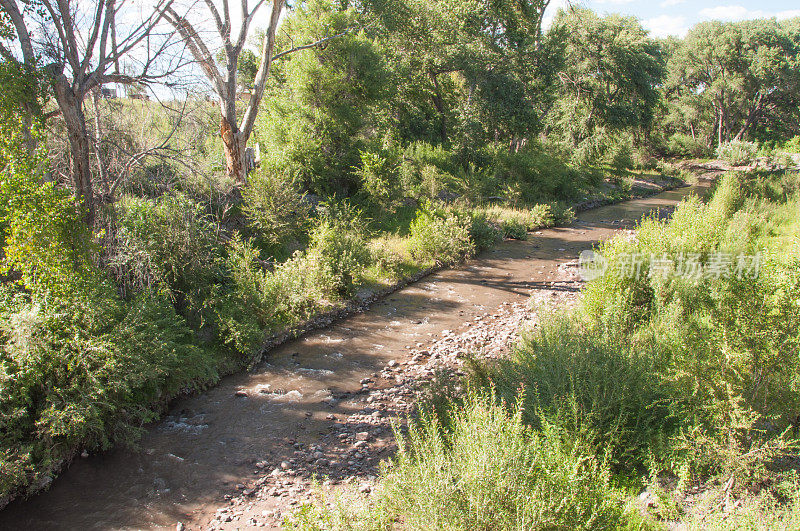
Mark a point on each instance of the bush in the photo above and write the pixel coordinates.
(489, 471)
(542, 216)
(589, 384)
(793, 145)
(737, 152)
(275, 207)
(681, 145)
(727, 344)
(514, 229)
(166, 244)
(620, 157)
(380, 179)
(85, 372)
(483, 231)
(541, 177)
(338, 248)
(439, 236)
(486, 471)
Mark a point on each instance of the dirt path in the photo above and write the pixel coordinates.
(242, 454)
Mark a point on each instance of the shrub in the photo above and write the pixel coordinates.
(380, 178)
(338, 248)
(727, 344)
(514, 229)
(46, 238)
(793, 145)
(565, 215)
(542, 216)
(440, 236)
(488, 471)
(620, 156)
(483, 231)
(275, 207)
(84, 373)
(166, 244)
(590, 384)
(541, 177)
(390, 255)
(682, 145)
(737, 152)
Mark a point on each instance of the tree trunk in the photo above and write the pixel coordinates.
(235, 149)
(98, 140)
(71, 107)
(438, 102)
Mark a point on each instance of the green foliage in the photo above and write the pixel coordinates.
(380, 178)
(718, 77)
(540, 176)
(104, 363)
(167, 244)
(793, 145)
(728, 342)
(483, 231)
(609, 70)
(21, 102)
(683, 145)
(440, 236)
(486, 470)
(275, 208)
(339, 248)
(737, 153)
(591, 385)
(46, 238)
(320, 110)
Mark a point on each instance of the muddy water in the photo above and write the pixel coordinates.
(207, 444)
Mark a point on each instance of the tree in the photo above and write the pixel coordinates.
(224, 77)
(475, 62)
(608, 73)
(325, 105)
(747, 73)
(81, 46)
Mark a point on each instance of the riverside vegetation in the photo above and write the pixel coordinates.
(686, 387)
(386, 152)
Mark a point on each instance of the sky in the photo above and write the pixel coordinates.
(675, 17)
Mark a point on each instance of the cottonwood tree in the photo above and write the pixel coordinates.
(223, 75)
(746, 73)
(608, 72)
(471, 60)
(81, 45)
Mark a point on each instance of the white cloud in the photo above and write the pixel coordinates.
(791, 13)
(672, 3)
(733, 13)
(729, 13)
(666, 25)
(615, 2)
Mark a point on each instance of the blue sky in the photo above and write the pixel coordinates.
(675, 17)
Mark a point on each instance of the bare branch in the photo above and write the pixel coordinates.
(267, 45)
(197, 47)
(312, 45)
(10, 7)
